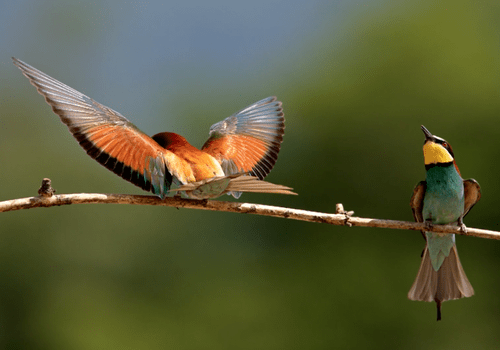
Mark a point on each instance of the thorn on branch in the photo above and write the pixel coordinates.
(46, 189)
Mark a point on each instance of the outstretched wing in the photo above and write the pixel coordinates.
(105, 134)
(472, 194)
(250, 140)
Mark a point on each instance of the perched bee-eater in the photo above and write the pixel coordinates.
(240, 152)
(443, 198)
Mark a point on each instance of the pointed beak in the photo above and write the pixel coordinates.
(428, 135)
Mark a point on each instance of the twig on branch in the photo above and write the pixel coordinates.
(341, 218)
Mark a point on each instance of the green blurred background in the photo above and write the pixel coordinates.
(357, 79)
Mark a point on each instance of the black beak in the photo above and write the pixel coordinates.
(428, 135)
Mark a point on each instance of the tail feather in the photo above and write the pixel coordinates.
(454, 282)
(253, 184)
(448, 283)
(217, 186)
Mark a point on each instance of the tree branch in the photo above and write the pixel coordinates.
(341, 218)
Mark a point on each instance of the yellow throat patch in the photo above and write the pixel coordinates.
(435, 153)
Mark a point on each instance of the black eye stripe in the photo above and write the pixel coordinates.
(448, 147)
(438, 140)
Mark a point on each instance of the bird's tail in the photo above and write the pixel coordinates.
(448, 283)
(253, 184)
(231, 184)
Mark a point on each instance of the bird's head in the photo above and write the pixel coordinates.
(170, 140)
(436, 150)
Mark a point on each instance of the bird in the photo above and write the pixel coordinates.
(240, 152)
(443, 198)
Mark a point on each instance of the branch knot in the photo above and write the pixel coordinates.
(339, 209)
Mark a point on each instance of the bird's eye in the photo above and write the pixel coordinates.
(445, 145)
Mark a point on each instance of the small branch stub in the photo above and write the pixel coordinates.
(339, 209)
(46, 189)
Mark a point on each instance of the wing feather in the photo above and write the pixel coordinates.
(105, 134)
(417, 202)
(472, 194)
(250, 140)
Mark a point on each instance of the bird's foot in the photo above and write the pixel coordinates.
(428, 225)
(339, 209)
(463, 228)
(177, 196)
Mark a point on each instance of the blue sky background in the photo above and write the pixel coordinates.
(140, 56)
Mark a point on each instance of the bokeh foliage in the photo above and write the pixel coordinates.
(355, 95)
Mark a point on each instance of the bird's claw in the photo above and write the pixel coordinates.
(461, 225)
(428, 225)
(463, 228)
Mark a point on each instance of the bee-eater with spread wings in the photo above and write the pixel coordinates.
(240, 152)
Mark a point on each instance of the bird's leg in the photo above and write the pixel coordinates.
(177, 195)
(461, 224)
(428, 224)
